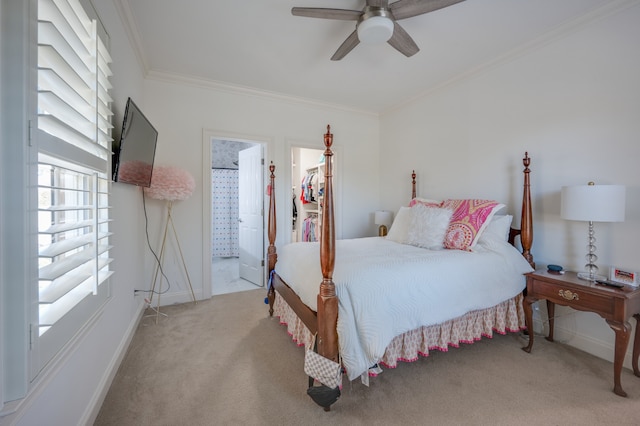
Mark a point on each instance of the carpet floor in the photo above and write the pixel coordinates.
(224, 361)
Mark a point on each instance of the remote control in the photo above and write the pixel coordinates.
(610, 283)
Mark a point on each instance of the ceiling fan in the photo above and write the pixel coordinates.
(376, 22)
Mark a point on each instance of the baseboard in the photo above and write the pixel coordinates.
(184, 296)
(586, 343)
(94, 407)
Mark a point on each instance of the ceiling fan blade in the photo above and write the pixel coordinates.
(378, 3)
(346, 46)
(402, 41)
(407, 8)
(324, 13)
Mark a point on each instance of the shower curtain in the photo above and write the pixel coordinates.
(224, 187)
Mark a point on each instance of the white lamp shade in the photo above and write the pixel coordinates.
(376, 29)
(383, 217)
(594, 203)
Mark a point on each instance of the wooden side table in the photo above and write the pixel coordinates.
(615, 305)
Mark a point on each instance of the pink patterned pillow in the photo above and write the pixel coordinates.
(469, 219)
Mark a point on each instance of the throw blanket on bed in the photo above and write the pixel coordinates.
(385, 288)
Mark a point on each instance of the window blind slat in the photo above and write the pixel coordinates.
(52, 313)
(78, 13)
(65, 207)
(103, 95)
(48, 58)
(64, 246)
(104, 54)
(64, 227)
(67, 135)
(74, 152)
(70, 50)
(57, 269)
(63, 285)
(49, 80)
(104, 110)
(61, 15)
(56, 289)
(50, 104)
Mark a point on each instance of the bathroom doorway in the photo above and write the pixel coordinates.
(237, 225)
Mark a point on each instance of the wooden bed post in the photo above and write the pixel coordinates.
(327, 301)
(272, 256)
(413, 184)
(526, 224)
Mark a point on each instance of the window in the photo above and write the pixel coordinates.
(74, 149)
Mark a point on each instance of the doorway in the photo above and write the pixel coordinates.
(307, 190)
(237, 226)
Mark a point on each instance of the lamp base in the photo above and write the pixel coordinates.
(587, 276)
(382, 231)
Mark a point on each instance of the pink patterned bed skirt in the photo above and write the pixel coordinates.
(507, 316)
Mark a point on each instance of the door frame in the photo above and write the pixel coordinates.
(290, 144)
(208, 135)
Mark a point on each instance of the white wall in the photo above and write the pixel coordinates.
(573, 103)
(182, 112)
(72, 390)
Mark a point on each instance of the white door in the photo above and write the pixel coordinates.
(250, 178)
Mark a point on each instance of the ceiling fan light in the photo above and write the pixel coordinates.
(377, 29)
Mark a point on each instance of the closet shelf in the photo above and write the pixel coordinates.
(312, 207)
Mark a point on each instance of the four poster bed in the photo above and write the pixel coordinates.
(395, 298)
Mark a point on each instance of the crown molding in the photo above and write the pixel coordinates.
(131, 29)
(220, 86)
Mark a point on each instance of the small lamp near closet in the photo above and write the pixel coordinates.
(592, 203)
(383, 218)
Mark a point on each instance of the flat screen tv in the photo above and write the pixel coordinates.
(134, 153)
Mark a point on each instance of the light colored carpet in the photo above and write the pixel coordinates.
(225, 362)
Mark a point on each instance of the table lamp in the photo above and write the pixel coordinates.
(592, 203)
(383, 219)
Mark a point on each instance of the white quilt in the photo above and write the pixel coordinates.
(386, 288)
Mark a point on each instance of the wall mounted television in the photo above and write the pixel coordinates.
(134, 153)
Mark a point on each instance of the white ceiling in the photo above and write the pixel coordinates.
(258, 44)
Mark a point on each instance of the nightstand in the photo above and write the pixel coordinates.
(615, 305)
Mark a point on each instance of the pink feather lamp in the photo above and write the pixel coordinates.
(170, 184)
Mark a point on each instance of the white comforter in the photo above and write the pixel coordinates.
(386, 288)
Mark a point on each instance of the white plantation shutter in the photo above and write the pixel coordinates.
(74, 149)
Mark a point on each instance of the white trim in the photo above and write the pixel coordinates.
(206, 216)
(93, 408)
(131, 28)
(291, 143)
(586, 343)
(1, 233)
(187, 80)
(17, 56)
(208, 135)
(21, 406)
(16, 409)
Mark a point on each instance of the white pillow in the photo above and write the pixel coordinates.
(499, 227)
(428, 226)
(400, 227)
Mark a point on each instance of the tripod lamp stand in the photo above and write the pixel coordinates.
(170, 184)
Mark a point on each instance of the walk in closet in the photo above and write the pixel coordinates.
(307, 192)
